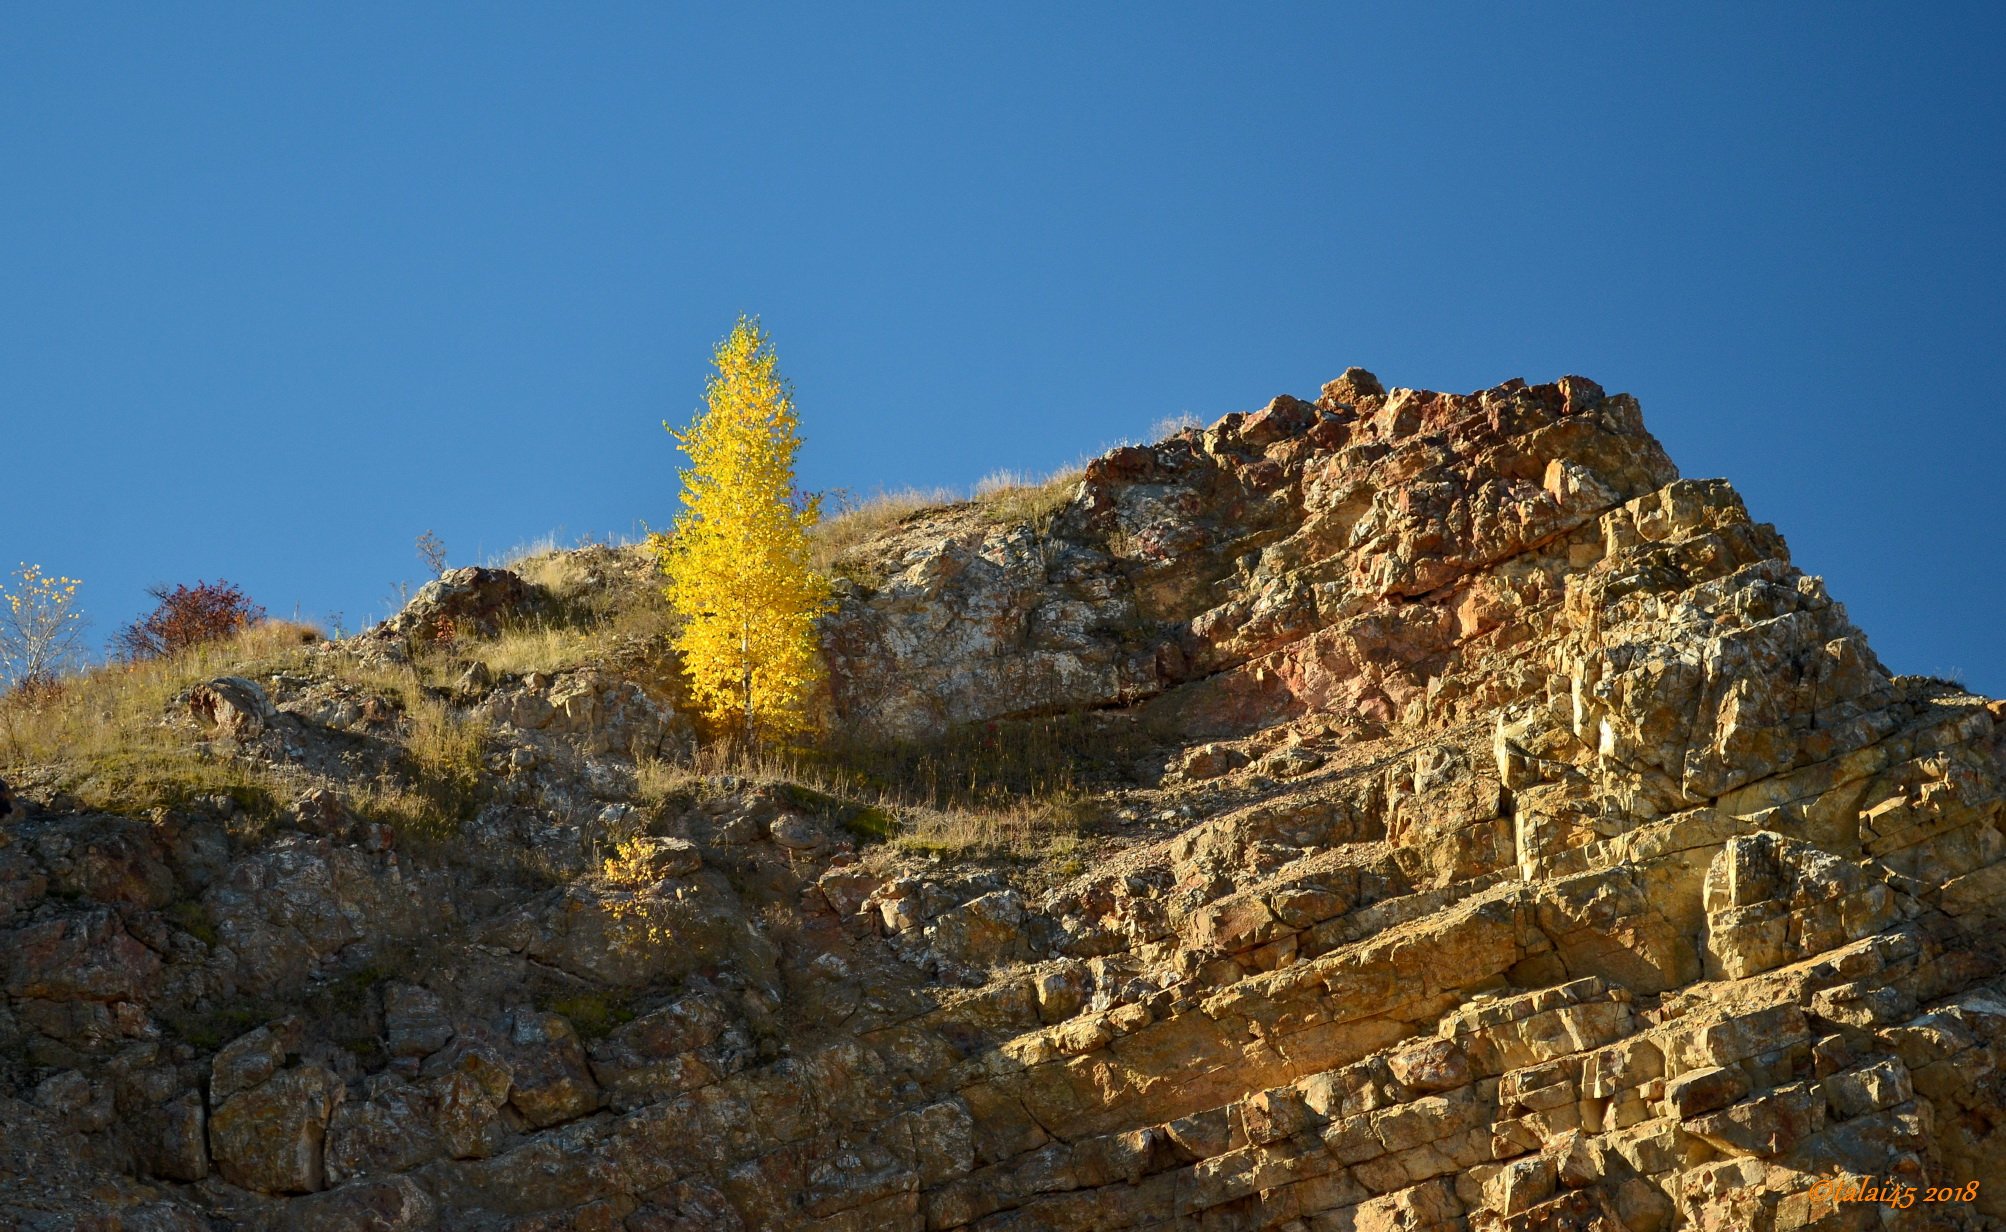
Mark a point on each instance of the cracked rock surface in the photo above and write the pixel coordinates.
(1503, 835)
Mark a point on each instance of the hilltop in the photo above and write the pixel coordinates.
(1389, 810)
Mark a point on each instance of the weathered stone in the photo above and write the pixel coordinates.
(87, 957)
(1354, 387)
(549, 1080)
(1703, 1090)
(1520, 1185)
(461, 603)
(1869, 1089)
(470, 1097)
(231, 708)
(984, 931)
(1061, 991)
(389, 1204)
(1209, 761)
(392, 1128)
(1437, 1065)
(269, 1138)
(1533, 847)
(250, 1059)
(668, 857)
(174, 1140)
(415, 1022)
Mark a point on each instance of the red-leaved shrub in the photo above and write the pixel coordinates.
(187, 615)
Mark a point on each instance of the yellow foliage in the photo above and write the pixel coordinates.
(41, 627)
(628, 868)
(737, 561)
(630, 882)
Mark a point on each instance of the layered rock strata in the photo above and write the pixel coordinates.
(1515, 840)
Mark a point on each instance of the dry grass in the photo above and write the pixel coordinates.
(858, 523)
(411, 811)
(515, 557)
(1006, 790)
(103, 736)
(658, 783)
(1004, 497)
(1014, 499)
(606, 605)
(446, 750)
(1023, 829)
(551, 648)
(106, 738)
(1016, 790)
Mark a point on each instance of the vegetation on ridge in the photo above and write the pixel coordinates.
(737, 562)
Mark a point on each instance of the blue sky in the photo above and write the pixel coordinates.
(283, 286)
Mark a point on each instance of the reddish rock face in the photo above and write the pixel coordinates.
(86, 957)
(1263, 569)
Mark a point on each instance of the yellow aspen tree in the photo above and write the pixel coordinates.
(737, 558)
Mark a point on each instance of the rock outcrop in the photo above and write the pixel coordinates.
(1493, 831)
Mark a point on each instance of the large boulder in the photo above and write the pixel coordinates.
(231, 708)
(271, 1137)
(469, 602)
(551, 1080)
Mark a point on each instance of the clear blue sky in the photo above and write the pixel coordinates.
(282, 286)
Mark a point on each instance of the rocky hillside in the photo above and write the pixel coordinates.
(1393, 811)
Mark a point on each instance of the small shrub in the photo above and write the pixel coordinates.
(432, 550)
(41, 629)
(630, 866)
(187, 616)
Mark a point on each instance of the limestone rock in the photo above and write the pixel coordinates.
(250, 1059)
(470, 1096)
(669, 857)
(393, 1204)
(87, 956)
(393, 1128)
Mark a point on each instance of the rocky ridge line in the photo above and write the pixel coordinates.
(1514, 840)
